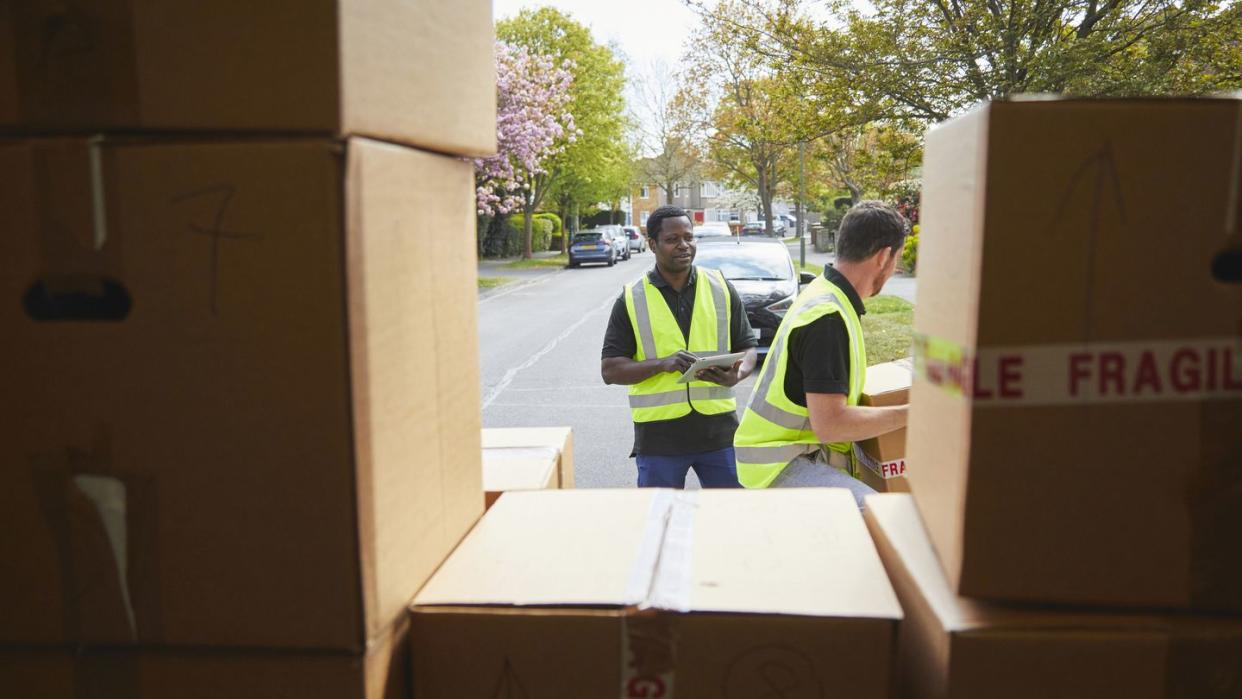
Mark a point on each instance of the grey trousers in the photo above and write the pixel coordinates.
(806, 472)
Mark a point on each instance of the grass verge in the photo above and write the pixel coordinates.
(493, 282)
(538, 262)
(887, 328)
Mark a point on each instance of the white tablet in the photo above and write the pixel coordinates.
(721, 360)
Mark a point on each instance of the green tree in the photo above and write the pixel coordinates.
(866, 161)
(929, 59)
(596, 166)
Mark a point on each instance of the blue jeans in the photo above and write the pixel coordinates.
(715, 469)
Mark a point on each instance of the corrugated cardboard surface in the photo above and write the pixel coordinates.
(560, 438)
(736, 589)
(1067, 223)
(951, 646)
(382, 673)
(258, 437)
(886, 384)
(520, 468)
(421, 73)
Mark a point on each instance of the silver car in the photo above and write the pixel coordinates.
(620, 240)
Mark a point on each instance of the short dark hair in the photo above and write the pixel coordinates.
(869, 227)
(656, 219)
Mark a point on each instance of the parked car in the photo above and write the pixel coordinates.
(592, 245)
(763, 274)
(760, 228)
(712, 229)
(619, 239)
(637, 240)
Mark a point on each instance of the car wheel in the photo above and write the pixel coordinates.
(612, 259)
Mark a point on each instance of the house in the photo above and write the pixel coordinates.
(699, 196)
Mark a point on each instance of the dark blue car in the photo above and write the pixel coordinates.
(592, 246)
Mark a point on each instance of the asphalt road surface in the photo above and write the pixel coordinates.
(539, 352)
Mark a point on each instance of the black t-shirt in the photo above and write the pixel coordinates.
(695, 432)
(819, 352)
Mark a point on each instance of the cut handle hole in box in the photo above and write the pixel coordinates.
(82, 299)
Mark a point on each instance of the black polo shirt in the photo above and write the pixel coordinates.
(695, 432)
(819, 352)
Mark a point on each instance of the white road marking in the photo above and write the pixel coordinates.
(512, 373)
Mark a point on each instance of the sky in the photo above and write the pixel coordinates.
(646, 30)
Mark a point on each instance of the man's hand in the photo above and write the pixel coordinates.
(719, 375)
(677, 363)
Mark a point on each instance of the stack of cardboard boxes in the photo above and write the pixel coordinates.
(526, 458)
(1074, 430)
(233, 235)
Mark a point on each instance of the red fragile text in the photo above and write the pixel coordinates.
(1187, 370)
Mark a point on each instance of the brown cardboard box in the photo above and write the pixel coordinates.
(882, 460)
(417, 72)
(950, 646)
(157, 673)
(560, 439)
(1073, 433)
(645, 593)
(279, 442)
(520, 468)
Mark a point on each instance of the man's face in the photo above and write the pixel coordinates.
(674, 248)
(888, 267)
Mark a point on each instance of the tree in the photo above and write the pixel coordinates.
(533, 125)
(929, 59)
(867, 161)
(665, 135)
(595, 167)
(746, 108)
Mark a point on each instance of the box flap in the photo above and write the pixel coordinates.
(889, 377)
(802, 551)
(508, 437)
(550, 547)
(523, 468)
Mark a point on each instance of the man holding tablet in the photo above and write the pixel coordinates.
(660, 326)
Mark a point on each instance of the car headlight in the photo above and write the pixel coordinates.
(781, 306)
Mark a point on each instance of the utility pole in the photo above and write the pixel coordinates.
(801, 209)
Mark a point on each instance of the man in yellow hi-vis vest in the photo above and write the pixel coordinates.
(659, 324)
(803, 416)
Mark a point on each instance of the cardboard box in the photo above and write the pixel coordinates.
(249, 415)
(560, 439)
(1073, 432)
(882, 460)
(648, 593)
(951, 646)
(421, 73)
(520, 468)
(156, 673)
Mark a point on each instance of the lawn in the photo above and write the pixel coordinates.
(492, 282)
(537, 262)
(886, 328)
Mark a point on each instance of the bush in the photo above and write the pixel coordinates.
(910, 252)
(540, 236)
(555, 239)
(829, 222)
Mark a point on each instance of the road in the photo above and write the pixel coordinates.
(539, 358)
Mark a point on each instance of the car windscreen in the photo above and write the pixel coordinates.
(587, 237)
(744, 262)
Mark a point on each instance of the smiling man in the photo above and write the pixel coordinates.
(659, 324)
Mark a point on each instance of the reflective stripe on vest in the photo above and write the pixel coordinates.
(775, 430)
(660, 397)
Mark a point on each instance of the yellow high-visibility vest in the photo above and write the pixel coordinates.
(774, 429)
(661, 397)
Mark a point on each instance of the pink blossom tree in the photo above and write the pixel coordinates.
(533, 124)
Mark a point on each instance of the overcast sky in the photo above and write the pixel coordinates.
(645, 30)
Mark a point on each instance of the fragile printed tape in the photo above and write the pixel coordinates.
(1115, 372)
(660, 581)
(883, 469)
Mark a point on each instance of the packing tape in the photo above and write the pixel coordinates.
(103, 527)
(1148, 371)
(660, 582)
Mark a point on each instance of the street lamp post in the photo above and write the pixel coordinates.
(801, 209)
